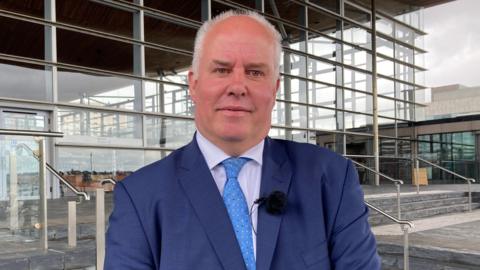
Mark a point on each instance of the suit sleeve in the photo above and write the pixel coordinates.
(353, 245)
(126, 243)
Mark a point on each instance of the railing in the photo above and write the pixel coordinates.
(404, 228)
(56, 174)
(469, 180)
(397, 183)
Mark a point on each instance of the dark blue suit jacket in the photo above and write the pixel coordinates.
(170, 215)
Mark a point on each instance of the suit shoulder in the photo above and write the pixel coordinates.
(310, 153)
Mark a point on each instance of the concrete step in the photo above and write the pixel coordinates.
(418, 205)
(428, 257)
(423, 213)
(410, 198)
(58, 257)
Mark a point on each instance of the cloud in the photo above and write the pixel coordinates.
(452, 43)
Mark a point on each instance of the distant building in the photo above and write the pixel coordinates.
(453, 100)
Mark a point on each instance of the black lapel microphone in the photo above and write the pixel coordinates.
(275, 203)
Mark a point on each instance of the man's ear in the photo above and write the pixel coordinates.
(192, 84)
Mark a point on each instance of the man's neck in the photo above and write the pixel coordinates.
(232, 148)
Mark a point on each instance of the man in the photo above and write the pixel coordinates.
(191, 210)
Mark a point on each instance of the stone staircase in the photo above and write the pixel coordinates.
(415, 206)
(445, 247)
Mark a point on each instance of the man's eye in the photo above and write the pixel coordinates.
(255, 73)
(221, 70)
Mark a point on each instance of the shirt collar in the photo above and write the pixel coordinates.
(214, 155)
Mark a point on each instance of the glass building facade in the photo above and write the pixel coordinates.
(112, 76)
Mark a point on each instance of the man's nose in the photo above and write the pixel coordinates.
(237, 85)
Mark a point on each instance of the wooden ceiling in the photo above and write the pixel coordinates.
(26, 39)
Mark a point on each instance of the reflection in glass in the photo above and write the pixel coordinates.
(99, 127)
(357, 36)
(322, 47)
(357, 58)
(320, 94)
(14, 84)
(357, 80)
(168, 98)
(321, 118)
(97, 90)
(167, 132)
(321, 71)
(293, 64)
(292, 89)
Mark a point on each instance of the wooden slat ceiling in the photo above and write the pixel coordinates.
(81, 49)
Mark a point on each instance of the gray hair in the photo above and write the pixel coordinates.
(208, 25)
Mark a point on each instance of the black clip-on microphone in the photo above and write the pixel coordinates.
(275, 203)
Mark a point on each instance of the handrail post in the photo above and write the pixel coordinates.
(100, 220)
(417, 174)
(43, 195)
(406, 253)
(469, 195)
(398, 200)
(72, 224)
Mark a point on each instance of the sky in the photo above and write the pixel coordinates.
(453, 43)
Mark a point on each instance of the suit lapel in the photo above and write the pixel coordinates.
(276, 176)
(200, 188)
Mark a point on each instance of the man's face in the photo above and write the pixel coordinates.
(235, 88)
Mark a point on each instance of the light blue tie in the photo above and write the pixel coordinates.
(238, 209)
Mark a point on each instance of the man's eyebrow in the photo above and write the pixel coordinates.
(221, 63)
(257, 65)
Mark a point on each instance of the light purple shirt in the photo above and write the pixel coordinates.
(249, 177)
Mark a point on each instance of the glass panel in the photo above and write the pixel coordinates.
(404, 54)
(358, 102)
(168, 132)
(358, 122)
(358, 15)
(99, 127)
(419, 59)
(169, 34)
(23, 119)
(359, 145)
(385, 66)
(292, 89)
(166, 64)
(320, 94)
(320, 118)
(22, 38)
(277, 133)
(19, 194)
(404, 34)
(287, 10)
(94, 52)
(385, 47)
(96, 16)
(98, 90)
(386, 107)
(404, 73)
(323, 23)
(85, 167)
(404, 92)
(358, 80)
(191, 10)
(357, 36)
(386, 87)
(321, 71)
(289, 114)
(14, 84)
(384, 26)
(332, 141)
(32, 8)
(322, 47)
(330, 5)
(293, 64)
(295, 37)
(405, 110)
(357, 58)
(168, 98)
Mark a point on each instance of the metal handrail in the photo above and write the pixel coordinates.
(469, 180)
(34, 133)
(397, 183)
(405, 229)
(108, 180)
(57, 175)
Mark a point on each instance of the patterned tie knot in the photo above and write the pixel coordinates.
(233, 166)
